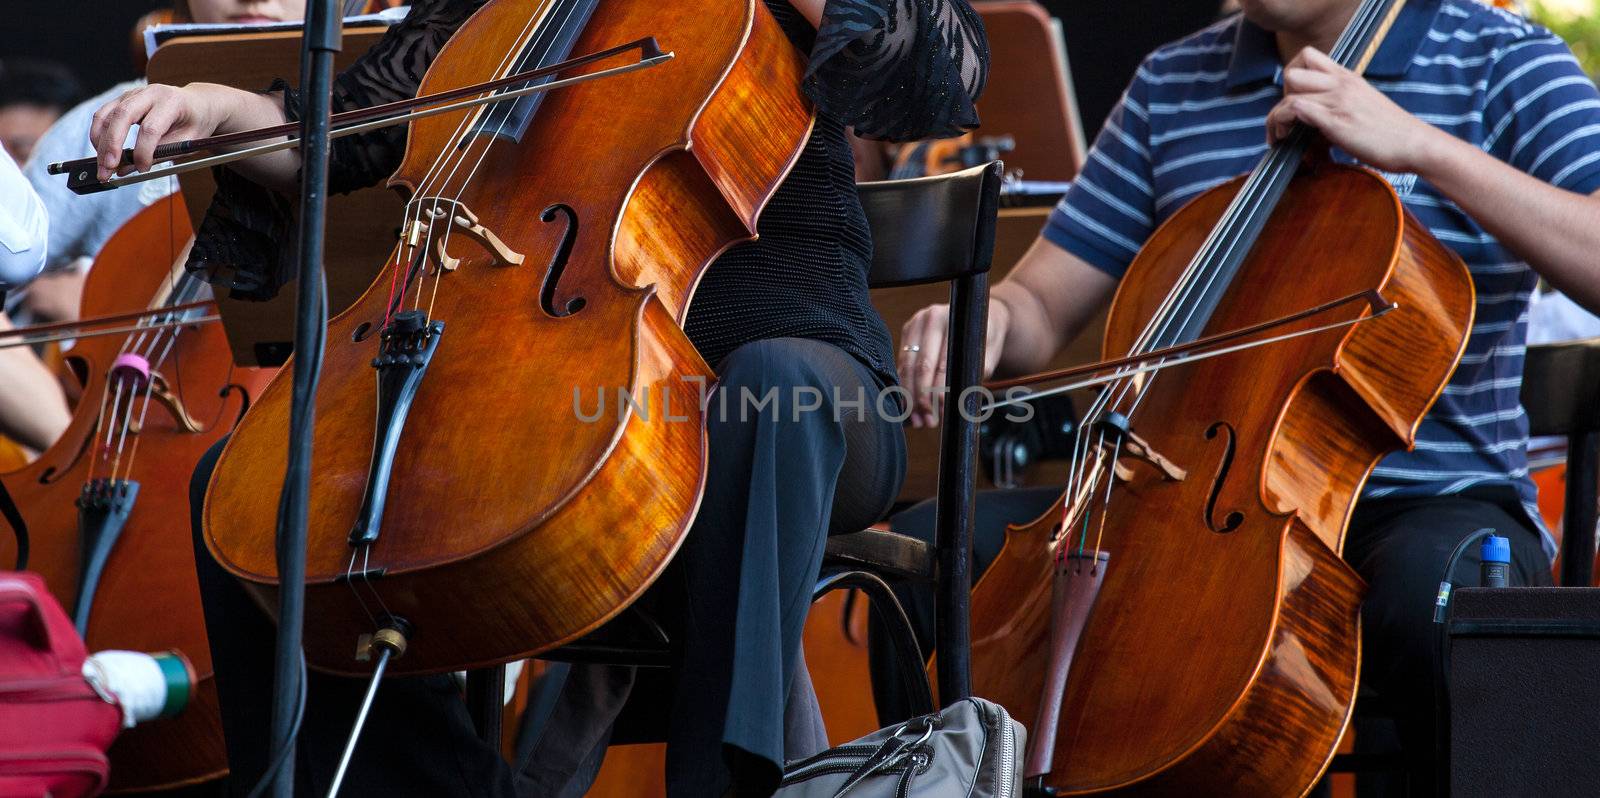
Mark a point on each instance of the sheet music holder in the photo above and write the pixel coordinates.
(361, 225)
(1029, 95)
(157, 35)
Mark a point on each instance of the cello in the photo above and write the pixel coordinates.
(104, 506)
(1189, 577)
(546, 246)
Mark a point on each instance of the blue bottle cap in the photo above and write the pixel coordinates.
(1496, 549)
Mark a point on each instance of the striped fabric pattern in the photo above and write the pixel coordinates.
(1194, 115)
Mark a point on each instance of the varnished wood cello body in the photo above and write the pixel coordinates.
(1220, 656)
(133, 488)
(510, 525)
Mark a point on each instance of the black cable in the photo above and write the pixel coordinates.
(312, 362)
(1441, 705)
(321, 41)
(273, 769)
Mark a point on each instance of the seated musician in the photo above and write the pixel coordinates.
(1490, 133)
(33, 408)
(789, 311)
(80, 225)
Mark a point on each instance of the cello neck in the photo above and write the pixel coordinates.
(1198, 294)
(1365, 33)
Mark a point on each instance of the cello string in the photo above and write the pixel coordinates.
(1117, 393)
(1242, 211)
(545, 37)
(458, 155)
(122, 437)
(149, 387)
(1111, 479)
(145, 346)
(366, 579)
(407, 251)
(176, 383)
(1369, 16)
(1247, 207)
(112, 391)
(425, 186)
(350, 578)
(152, 368)
(99, 424)
(559, 14)
(1161, 320)
(116, 406)
(1083, 533)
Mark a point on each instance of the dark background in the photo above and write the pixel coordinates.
(91, 37)
(1105, 40)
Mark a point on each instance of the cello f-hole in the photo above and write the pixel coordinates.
(244, 399)
(558, 263)
(1233, 519)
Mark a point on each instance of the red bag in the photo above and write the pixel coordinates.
(54, 728)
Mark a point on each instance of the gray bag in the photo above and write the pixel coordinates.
(972, 749)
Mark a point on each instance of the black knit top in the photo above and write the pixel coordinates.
(891, 69)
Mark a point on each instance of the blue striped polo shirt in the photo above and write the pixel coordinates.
(1194, 116)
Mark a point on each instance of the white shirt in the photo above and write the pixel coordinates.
(24, 227)
(1554, 317)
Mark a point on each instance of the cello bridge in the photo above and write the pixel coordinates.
(161, 393)
(442, 217)
(1139, 449)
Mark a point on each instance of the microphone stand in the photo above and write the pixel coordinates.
(321, 41)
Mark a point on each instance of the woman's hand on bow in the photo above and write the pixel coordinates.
(165, 114)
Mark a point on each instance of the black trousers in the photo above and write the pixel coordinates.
(736, 596)
(418, 740)
(1399, 546)
(782, 474)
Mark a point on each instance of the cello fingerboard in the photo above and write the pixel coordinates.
(551, 43)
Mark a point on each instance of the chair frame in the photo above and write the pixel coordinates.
(1561, 393)
(903, 258)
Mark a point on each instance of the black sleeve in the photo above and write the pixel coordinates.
(248, 231)
(899, 70)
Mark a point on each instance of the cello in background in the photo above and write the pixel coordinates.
(107, 506)
(1196, 547)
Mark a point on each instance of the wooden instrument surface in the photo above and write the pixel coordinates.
(1276, 443)
(493, 515)
(361, 224)
(1029, 95)
(148, 599)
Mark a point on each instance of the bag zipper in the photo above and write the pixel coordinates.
(827, 766)
(920, 761)
(1008, 746)
(842, 750)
